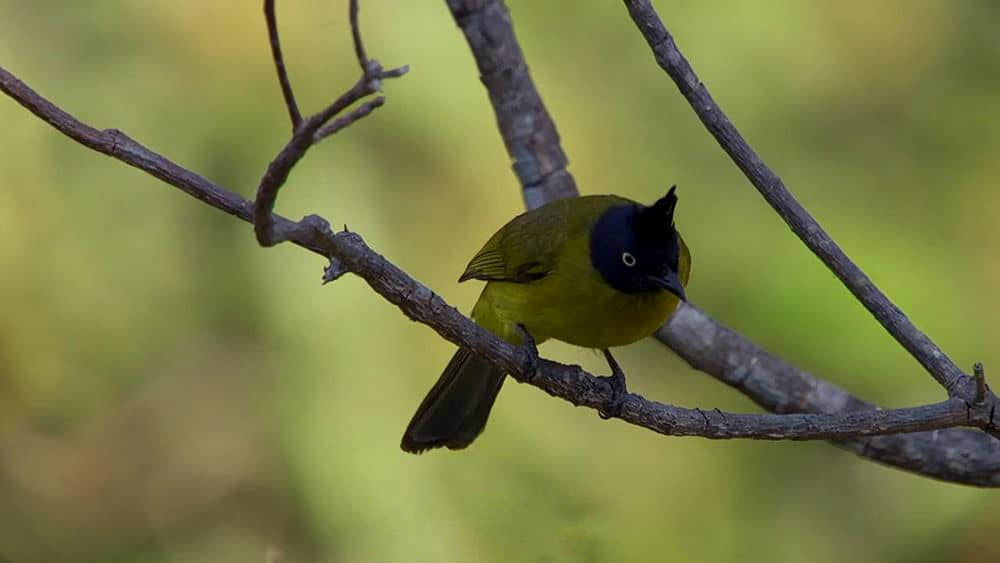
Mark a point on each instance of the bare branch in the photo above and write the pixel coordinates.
(705, 343)
(422, 305)
(342, 122)
(279, 63)
(359, 47)
(293, 151)
(669, 57)
(527, 130)
(780, 387)
(307, 133)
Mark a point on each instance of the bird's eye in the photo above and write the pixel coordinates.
(628, 259)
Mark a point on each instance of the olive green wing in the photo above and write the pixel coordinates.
(528, 247)
(524, 250)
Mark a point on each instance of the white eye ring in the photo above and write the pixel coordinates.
(628, 259)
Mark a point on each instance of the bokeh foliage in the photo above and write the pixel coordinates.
(169, 391)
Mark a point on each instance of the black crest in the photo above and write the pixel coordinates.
(636, 249)
(656, 222)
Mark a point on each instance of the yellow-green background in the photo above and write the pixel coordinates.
(171, 392)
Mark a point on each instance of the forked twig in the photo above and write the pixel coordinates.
(306, 133)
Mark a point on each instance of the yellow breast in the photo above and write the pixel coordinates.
(572, 304)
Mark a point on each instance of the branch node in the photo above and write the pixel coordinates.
(721, 414)
(307, 132)
(374, 73)
(703, 415)
(372, 70)
(319, 225)
(334, 271)
(396, 72)
(979, 373)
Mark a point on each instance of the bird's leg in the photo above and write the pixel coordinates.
(529, 347)
(618, 389)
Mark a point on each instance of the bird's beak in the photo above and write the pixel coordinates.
(671, 283)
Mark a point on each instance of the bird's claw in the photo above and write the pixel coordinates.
(531, 351)
(619, 391)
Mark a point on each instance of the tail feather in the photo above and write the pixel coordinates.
(455, 410)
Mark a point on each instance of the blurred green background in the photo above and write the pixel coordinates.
(171, 392)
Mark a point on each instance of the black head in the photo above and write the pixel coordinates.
(636, 249)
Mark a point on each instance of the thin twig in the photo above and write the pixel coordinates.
(342, 122)
(669, 57)
(359, 47)
(305, 133)
(279, 63)
(571, 383)
(293, 151)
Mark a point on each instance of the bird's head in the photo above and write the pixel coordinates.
(636, 248)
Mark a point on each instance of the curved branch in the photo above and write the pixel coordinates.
(421, 304)
(669, 57)
(279, 64)
(359, 46)
(306, 133)
(309, 132)
(965, 456)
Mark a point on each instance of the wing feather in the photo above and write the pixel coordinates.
(527, 248)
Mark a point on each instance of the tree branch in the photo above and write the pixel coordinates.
(279, 64)
(359, 46)
(421, 304)
(342, 122)
(958, 455)
(306, 133)
(669, 57)
(527, 130)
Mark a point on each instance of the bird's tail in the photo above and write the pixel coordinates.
(455, 410)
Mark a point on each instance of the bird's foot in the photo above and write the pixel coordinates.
(531, 351)
(618, 389)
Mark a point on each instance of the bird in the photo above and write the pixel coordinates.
(597, 271)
